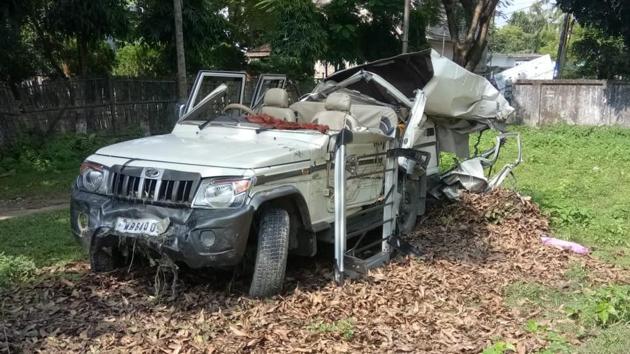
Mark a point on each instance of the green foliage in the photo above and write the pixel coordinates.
(597, 55)
(534, 31)
(611, 16)
(556, 343)
(509, 39)
(87, 24)
(17, 61)
(15, 269)
(298, 39)
(499, 347)
(89, 20)
(343, 328)
(577, 310)
(602, 307)
(343, 21)
(209, 38)
(56, 153)
(40, 168)
(354, 36)
(139, 60)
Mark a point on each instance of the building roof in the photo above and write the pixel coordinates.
(261, 51)
(438, 32)
(518, 56)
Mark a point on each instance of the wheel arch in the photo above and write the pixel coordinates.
(290, 198)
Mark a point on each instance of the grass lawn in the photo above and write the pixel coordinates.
(38, 185)
(579, 176)
(35, 241)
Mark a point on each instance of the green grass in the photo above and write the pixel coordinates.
(612, 340)
(598, 315)
(580, 176)
(35, 241)
(343, 328)
(38, 185)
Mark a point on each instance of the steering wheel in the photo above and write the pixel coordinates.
(238, 106)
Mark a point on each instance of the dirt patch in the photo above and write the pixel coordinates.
(450, 300)
(27, 206)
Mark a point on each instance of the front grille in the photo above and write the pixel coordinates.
(169, 187)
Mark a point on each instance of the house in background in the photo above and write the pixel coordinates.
(498, 62)
(439, 39)
(258, 53)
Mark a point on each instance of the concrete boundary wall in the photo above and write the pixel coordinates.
(580, 102)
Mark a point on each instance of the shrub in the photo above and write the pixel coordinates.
(15, 269)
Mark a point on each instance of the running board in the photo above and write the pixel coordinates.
(357, 267)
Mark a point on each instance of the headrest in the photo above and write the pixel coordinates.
(338, 102)
(276, 97)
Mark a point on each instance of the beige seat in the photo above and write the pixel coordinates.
(337, 113)
(276, 104)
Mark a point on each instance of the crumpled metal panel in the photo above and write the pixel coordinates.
(469, 175)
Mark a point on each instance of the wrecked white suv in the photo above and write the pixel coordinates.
(358, 153)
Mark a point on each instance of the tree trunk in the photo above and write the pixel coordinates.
(182, 87)
(472, 41)
(83, 56)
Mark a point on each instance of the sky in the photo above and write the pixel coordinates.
(515, 6)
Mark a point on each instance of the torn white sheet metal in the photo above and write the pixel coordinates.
(451, 90)
(456, 92)
(470, 175)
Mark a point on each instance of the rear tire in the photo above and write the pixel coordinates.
(272, 253)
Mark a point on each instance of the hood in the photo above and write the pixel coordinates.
(216, 149)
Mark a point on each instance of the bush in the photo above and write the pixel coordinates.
(15, 269)
(603, 307)
(36, 154)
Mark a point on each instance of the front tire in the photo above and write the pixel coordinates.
(104, 258)
(272, 253)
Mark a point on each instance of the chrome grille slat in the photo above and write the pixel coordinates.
(175, 191)
(173, 187)
(125, 186)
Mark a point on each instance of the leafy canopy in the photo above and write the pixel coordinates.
(534, 31)
(611, 16)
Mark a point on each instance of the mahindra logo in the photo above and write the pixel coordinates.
(152, 173)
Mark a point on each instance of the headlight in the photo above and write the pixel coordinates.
(222, 193)
(93, 177)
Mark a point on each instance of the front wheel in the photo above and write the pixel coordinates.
(105, 256)
(272, 252)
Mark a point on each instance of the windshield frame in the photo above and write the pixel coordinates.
(194, 112)
(203, 74)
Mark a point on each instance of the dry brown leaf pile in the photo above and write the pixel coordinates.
(450, 300)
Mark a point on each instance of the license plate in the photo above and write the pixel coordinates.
(151, 227)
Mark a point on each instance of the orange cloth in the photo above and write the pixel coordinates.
(270, 122)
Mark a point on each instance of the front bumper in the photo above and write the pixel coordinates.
(183, 239)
